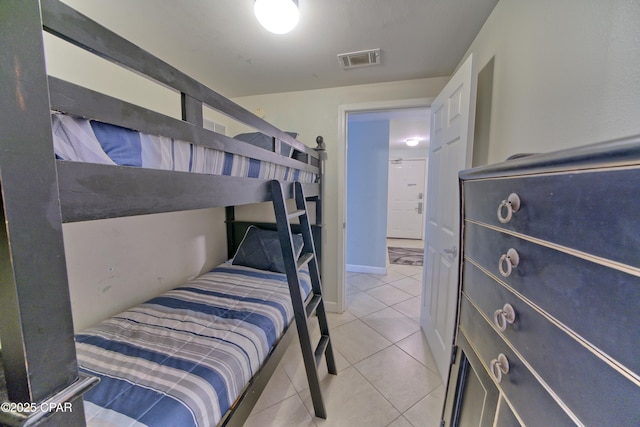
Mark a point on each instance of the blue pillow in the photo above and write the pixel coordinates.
(261, 249)
(122, 145)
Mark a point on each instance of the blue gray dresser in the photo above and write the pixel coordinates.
(549, 305)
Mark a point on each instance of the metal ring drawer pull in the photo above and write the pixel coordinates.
(512, 204)
(499, 367)
(508, 261)
(504, 316)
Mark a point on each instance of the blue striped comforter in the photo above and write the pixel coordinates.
(183, 358)
(84, 140)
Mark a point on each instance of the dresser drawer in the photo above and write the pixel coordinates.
(594, 212)
(529, 399)
(575, 374)
(598, 303)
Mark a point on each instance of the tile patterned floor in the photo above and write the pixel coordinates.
(386, 373)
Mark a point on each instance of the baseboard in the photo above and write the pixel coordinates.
(331, 306)
(366, 269)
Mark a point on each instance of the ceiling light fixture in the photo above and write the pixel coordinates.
(277, 16)
(412, 142)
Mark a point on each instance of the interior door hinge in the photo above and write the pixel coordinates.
(454, 352)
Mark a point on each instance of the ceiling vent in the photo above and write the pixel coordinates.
(359, 59)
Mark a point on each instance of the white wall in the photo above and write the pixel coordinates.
(116, 263)
(566, 73)
(315, 112)
(408, 153)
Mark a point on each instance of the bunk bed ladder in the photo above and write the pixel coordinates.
(314, 304)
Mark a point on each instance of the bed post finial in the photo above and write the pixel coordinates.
(321, 149)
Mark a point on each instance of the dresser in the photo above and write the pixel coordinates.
(548, 319)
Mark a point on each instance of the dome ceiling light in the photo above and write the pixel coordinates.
(412, 142)
(277, 16)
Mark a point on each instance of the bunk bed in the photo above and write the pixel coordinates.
(177, 165)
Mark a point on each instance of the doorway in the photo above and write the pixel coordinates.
(386, 157)
(379, 108)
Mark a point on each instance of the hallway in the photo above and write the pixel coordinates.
(387, 376)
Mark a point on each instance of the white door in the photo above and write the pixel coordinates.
(452, 120)
(405, 218)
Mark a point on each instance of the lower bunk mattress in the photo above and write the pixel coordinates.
(183, 358)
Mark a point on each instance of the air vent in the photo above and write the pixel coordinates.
(359, 59)
(214, 126)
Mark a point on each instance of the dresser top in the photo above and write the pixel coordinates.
(616, 153)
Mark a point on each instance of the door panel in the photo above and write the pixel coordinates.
(433, 190)
(449, 184)
(452, 120)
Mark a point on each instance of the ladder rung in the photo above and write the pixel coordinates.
(322, 346)
(296, 214)
(313, 304)
(304, 259)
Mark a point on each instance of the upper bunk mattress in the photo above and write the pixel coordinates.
(90, 141)
(183, 358)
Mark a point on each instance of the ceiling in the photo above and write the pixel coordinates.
(220, 43)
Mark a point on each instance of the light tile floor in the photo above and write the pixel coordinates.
(386, 373)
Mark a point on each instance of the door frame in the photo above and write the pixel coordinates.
(343, 112)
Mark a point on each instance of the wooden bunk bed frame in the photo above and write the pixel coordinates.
(40, 193)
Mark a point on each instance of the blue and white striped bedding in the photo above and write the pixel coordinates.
(90, 141)
(183, 358)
